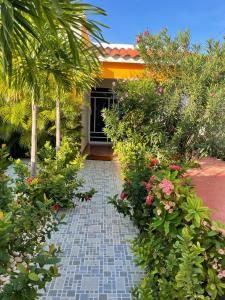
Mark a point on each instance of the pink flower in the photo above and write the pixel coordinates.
(138, 39)
(149, 200)
(166, 186)
(146, 33)
(220, 275)
(170, 211)
(175, 167)
(123, 196)
(147, 185)
(151, 179)
(160, 90)
(213, 94)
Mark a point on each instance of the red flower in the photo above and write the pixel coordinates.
(29, 180)
(123, 196)
(146, 33)
(154, 162)
(175, 168)
(147, 185)
(56, 207)
(149, 200)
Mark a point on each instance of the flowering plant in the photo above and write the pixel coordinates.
(179, 247)
(25, 262)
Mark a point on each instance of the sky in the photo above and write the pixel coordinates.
(126, 18)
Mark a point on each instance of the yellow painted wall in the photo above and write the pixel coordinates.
(118, 70)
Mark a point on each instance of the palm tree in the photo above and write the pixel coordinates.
(65, 76)
(21, 21)
(23, 24)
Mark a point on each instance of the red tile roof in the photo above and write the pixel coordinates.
(121, 52)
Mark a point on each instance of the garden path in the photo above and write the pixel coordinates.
(96, 263)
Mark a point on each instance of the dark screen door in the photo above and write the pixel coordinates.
(100, 98)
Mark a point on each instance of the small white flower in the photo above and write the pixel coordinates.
(221, 251)
(158, 211)
(18, 259)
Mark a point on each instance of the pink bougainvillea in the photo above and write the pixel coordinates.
(166, 186)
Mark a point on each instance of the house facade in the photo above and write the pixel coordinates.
(120, 61)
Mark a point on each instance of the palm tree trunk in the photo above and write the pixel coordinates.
(34, 140)
(58, 124)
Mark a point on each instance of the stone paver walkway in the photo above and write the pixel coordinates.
(96, 263)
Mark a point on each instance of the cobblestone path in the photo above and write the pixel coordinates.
(96, 263)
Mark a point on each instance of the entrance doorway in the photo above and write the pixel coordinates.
(100, 98)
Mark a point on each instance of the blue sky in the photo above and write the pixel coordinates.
(204, 18)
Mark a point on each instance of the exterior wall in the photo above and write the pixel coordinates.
(117, 70)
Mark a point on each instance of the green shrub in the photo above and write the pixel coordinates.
(181, 250)
(26, 264)
(6, 191)
(57, 175)
(181, 112)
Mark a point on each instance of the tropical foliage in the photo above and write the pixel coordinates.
(184, 110)
(45, 40)
(162, 121)
(26, 264)
(181, 250)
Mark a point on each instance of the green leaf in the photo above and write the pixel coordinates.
(212, 233)
(166, 227)
(33, 277)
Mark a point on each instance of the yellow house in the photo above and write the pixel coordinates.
(120, 61)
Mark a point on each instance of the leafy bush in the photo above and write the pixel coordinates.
(57, 176)
(25, 262)
(181, 112)
(5, 195)
(181, 250)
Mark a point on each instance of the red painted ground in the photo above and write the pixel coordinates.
(209, 180)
